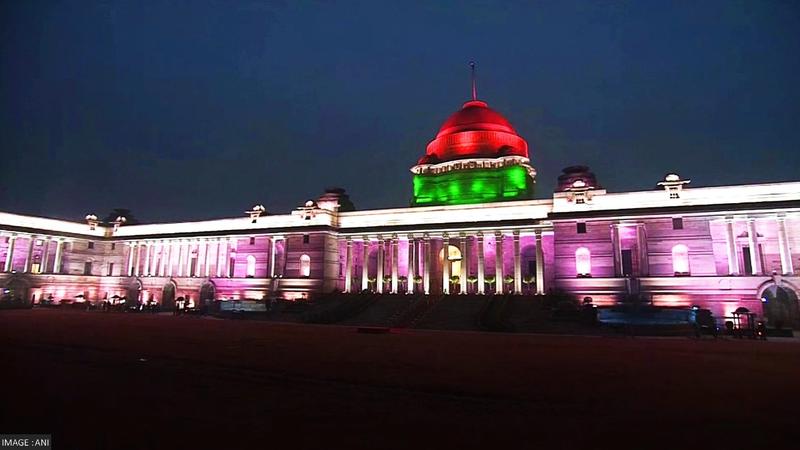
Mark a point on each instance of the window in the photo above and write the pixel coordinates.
(110, 269)
(305, 239)
(87, 268)
(680, 259)
(581, 227)
(251, 266)
(113, 246)
(305, 266)
(627, 263)
(583, 262)
(252, 240)
(673, 193)
(90, 245)
(677, 223)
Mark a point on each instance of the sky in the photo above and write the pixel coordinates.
(188, 110)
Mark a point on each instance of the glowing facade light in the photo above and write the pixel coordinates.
(680, 259)
(583, 262)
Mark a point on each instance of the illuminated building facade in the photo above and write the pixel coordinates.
(473, 227)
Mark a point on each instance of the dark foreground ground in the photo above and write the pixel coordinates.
(111, 381)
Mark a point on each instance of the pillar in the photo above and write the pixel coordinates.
(755, 250)
(446, 264)
(481, 265)
(348, 266)
(131, 254)
(517, 265)
(464, 264)
(412, 272)
(29, 256)
(616, 248)
(9, 266)
(426, 277)
(147, 259)
(365, 264)
(45, 256)
(219, 258)
(171, 259)
(786, 252)
(228, 254)
(730, 244)
(381, 262)
(189, 259)
(206, 259)
(138, 258)
(539, 263)
(395, 262)
(274, 246)
(498, 262)
(641, 244)
(59, 256)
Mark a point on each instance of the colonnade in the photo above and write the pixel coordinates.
(27, 266)
(420, 256)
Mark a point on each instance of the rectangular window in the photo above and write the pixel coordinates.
(110, 269)
(90, 245)
(748, 265)
(581, 227)
(677, 223)
(305, 239)
(113, 246)
(87, 268)
(532, 267)
(627, 263)
(252, 240)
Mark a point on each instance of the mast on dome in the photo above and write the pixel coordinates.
(474, 83)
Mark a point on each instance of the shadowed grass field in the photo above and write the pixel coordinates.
(142, 381)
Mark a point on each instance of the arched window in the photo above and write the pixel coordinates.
(305, 266)
(680, 259)
(251, 266)
(583, 262)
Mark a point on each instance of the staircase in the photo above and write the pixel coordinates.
(383, 311)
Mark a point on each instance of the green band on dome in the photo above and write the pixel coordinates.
(473, 186)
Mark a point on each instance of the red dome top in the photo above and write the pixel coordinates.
(475, 116)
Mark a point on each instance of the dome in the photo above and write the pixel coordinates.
(475, 116)
(474, 131)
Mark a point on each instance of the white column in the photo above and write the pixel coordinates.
(228, 255)
(206, 258)
(138, 259)
(381, 261)
(156, 263)
(165, 255)
(498, 262)
(481, 264)
(171, 260)
(517, 265)
(365, 264)
(445, 264)
(45, 256)
(426, 277)
(539, 263)
(147, 259)
(188, 270)
(730, 244)
(616, 248)
(787, 267)
(348, 266)
(641, 244)
(273, 249)
(464, 264)
(10, 254)
(411, 273)
(219, 258)
(395, 262)
(29, 256)
(59, 256)
(755, 251)
(131, 252)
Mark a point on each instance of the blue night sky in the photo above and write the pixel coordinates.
(199, 109)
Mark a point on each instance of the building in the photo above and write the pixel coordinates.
(473, 227)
